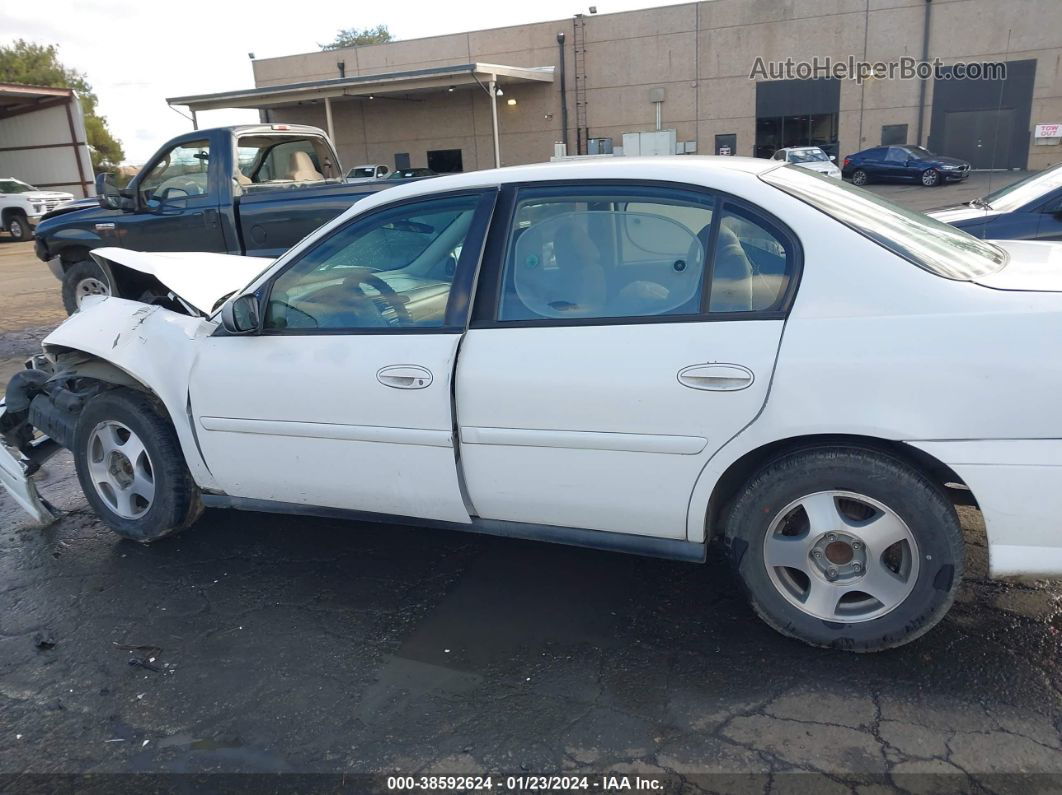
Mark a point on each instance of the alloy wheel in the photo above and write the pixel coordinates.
(841, 556)
(120, 469)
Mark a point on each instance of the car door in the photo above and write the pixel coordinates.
(894, 164)
(177, 201)
(622, 334)
(344, 398)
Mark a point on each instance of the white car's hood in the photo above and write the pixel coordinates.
(48, 195)
(963, 212)
(199, 278)
(822, 166)
(1033, 265)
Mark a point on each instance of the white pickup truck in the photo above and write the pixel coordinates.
(22, 205)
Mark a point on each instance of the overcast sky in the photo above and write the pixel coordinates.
(137, 53)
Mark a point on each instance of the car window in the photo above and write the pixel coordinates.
(613, 255)
(183, 171)
(14, 186)
(752, 265)
(814, 155)
(874, 155)
(265, 160)
(393, 269)
(897, 154)
(928, 243)
(1018, 194)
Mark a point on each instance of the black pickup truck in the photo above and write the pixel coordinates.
(253, 190)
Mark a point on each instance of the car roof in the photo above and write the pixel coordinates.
(669, 169)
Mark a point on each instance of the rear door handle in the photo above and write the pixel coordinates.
(404, 376)
(716, 377)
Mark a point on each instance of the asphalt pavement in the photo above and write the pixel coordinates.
(260, 643)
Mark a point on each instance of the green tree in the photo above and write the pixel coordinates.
(355, 37)
(39, 65)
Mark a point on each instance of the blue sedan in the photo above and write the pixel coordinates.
(903, 164)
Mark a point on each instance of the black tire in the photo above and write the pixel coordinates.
(77, 278)
(176, 503)
(18, 227)
(931, 178)
(922, 506)
(860, 177)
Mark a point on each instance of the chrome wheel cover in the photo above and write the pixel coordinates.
(120, 469)
(841, 556)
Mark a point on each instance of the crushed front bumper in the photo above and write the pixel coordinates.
(15, 469)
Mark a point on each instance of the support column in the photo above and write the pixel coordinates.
(493, 89)
(328, 121)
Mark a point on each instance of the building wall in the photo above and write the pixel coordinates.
(700, 53)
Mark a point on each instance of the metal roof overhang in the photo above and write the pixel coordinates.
(383, 84)
(16, 99)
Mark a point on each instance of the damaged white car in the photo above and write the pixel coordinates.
(635, 355)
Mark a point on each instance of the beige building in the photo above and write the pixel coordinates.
(428, 102)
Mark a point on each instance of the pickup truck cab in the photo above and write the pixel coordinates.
(22, 205)
(250, 190)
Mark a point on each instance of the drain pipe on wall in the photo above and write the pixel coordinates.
(563, 92)
(922, 83)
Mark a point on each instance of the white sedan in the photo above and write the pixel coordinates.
(811, 158)
(640, 355)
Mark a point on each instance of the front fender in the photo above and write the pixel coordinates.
(154, 346)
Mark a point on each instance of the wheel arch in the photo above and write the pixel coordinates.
(745, 466)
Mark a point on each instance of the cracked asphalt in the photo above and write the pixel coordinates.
(260, 643)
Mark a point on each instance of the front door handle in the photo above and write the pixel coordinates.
(716, 377)
(404, 376)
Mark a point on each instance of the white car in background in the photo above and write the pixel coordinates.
(369, 172)
(637, 355)
(811, 158)
(22, 205)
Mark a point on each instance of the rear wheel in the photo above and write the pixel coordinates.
(860, 177)
(131, 467)
(931, 178)
(18, 226)
(82, 279)
(846, 548)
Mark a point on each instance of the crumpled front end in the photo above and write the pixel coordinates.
(22, 450)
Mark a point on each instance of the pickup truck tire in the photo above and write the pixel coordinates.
(81, 279)
(846, 548)
(131, 468)
(18, 226)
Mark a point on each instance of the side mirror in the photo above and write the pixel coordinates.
(107, 192)
(240, 315)
(833, 158)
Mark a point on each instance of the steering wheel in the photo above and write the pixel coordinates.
(363, 276)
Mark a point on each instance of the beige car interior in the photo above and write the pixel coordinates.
(300, 168)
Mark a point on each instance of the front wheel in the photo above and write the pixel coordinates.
(931, 178)
(860, 177)
(846, 548)
(131, 467)
(82, 279)
(18, 227)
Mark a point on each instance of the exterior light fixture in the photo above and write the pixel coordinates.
(498, 92)
(450, 89)
(371, 96)
(510, 102)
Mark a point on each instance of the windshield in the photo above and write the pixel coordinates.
(362, 171)
(920, 152)
(14, 186)
(815, 155)
(929, 244)
(1020, 193)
